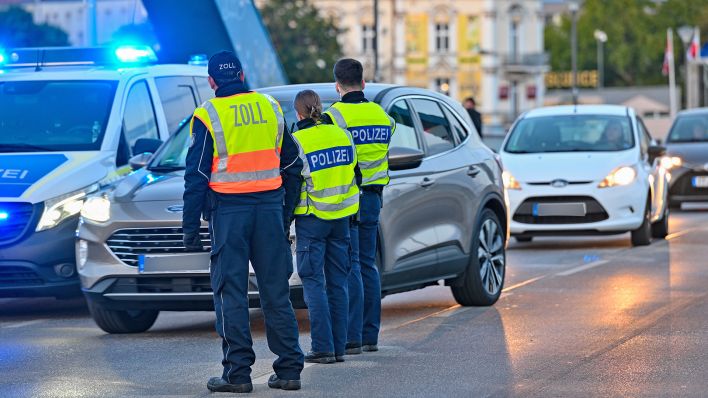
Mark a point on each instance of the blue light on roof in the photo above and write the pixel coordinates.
(3, 57)
(135, 54)
(199, 60)
(4, 215)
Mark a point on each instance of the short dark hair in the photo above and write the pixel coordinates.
(348, 72)
(471, 99)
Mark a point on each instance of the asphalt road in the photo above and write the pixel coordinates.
(578, 317)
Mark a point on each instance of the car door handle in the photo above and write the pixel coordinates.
(427, 182)
(472, 171)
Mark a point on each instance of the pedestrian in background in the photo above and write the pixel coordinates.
(237, 150)
(329, 197)
(471, 105)
(371, 128)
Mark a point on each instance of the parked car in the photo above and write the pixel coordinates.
(581, 170)
(71, 120)
(687, 157)
(444, 218)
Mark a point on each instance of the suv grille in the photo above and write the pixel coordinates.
(128, 244)
(11, 276)
(16, 218)
(594, 211)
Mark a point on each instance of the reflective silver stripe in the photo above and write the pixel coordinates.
(245, 176)
(327, 192)
(338, 118)
(219, 137)
(376, 176)
(373, 164)
(350, 201)
(281, 121)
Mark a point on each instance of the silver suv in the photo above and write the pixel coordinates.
(444, 219)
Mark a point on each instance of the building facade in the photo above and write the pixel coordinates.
(489, 49)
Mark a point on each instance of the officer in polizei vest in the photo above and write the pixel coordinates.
(330, 196)
(238, 147)
(371, 129)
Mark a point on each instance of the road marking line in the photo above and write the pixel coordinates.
(436, 313)
(524, 283)
(582, 268)
(21, 324)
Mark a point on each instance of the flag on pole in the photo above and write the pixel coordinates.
(668, 54)
(693, 49)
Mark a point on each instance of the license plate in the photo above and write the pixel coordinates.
(700, 181)
(174, 263)
(559, 209)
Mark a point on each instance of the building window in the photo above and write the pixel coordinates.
(367, 38)
(442, 85)
(442, 37)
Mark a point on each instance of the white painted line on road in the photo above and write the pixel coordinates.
(524, 283)
(22, 324)
(583, 267)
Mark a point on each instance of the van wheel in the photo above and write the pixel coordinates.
(642, 235)
(482, 282)
(660, 229)
(117, 321)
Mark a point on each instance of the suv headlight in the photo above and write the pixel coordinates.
(97, 208)
(62, 207)
(620, 176)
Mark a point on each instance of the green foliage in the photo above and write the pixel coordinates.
(636, 31)
(305, 41)
(17, 29)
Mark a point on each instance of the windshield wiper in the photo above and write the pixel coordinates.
(24, 148)
(165, 169)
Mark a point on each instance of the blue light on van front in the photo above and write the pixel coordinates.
(3, 57)
(4, 215)
(135, 54)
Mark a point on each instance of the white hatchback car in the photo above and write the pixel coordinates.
(584, 170)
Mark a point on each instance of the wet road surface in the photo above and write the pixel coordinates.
(578, 317)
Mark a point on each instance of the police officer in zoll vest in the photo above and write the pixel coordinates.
(371, 128)
(330, 196)
(233, 176)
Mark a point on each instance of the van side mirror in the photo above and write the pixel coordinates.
(140, 160)
(146, 145)
(656, 151)
(400, 158)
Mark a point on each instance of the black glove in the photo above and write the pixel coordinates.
(193, 242)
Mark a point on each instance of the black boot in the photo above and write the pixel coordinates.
(320, 357)
(275, 382)
(217, 384)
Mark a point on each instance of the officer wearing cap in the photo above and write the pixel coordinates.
(233, 176)
(371, 128)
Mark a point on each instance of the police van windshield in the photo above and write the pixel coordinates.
(572, 133)
(47, 116)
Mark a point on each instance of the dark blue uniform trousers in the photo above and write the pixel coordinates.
(364, 279)
(323, 267)
(243, 232)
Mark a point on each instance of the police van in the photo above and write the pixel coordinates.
(73, 120)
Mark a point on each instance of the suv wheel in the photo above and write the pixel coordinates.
(642, 235)
(482, 282)
(117, 321)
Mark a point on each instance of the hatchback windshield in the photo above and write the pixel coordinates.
(54, 115)
(572, 133)
(693, 128)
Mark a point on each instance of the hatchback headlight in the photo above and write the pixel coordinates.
(669, 162)
(509, 181)
(97, 209)
(63, 207)
(620, 176)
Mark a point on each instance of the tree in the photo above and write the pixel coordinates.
(636, 31)
(17, 29)
(306, 42)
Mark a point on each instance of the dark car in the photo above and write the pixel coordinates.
(687, 157)
(444, 218)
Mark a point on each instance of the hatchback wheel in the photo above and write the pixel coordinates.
(482, 282)
(117, 321)
(642, 235)
(660, 229)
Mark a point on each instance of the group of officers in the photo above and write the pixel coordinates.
(250, 177)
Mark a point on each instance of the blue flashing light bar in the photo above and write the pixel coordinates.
(135, 54)
(123, 55)
(199, 60)
(3, 57)
(4, 215)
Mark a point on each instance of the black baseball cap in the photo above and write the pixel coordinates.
(224, 66)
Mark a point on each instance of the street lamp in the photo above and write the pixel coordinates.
(686, 34)
(516, 14)
(573, 8)
(601, 38)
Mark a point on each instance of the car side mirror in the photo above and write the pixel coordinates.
(146, 145)
(140, 160)
(400, 158)
(656, 151)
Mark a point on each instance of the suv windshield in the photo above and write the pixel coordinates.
(571, 133)
(693, 128)
(39, 116)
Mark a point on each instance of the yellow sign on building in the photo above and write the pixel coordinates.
(417, 49)
(469, 36)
